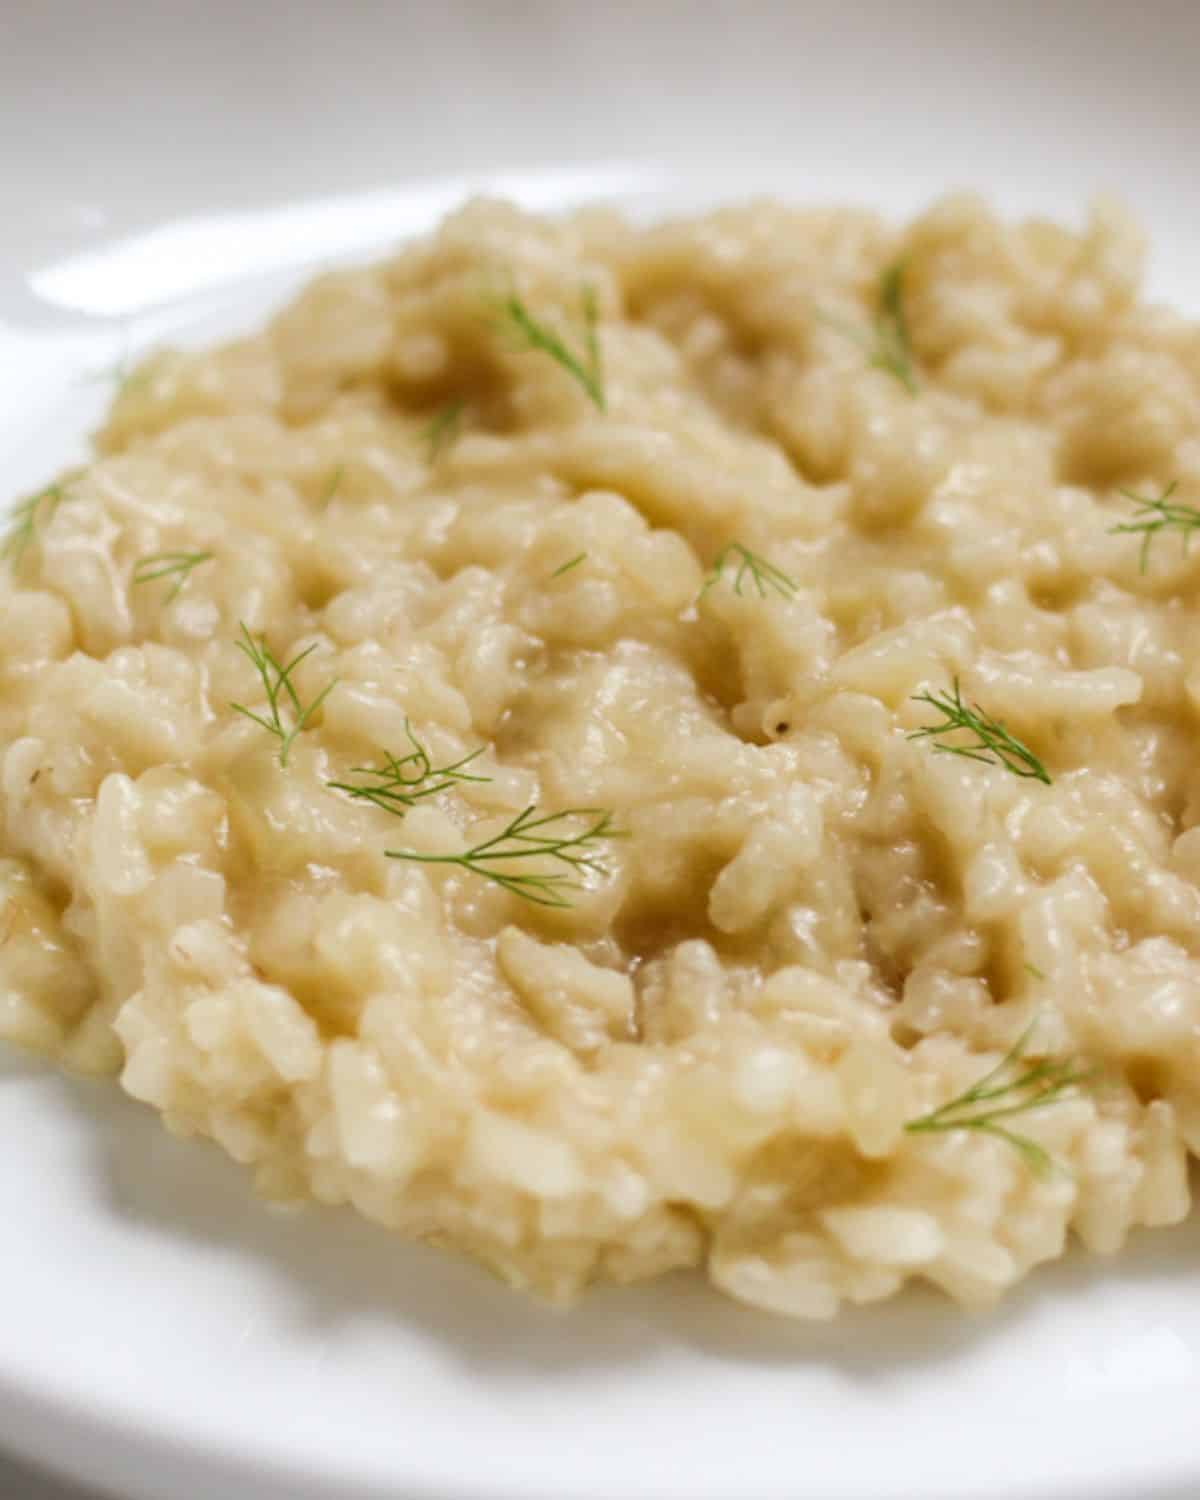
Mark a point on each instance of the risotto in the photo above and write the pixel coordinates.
(616, 749)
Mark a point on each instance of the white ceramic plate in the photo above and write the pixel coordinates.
(168, 174)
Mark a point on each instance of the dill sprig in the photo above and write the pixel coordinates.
(762, 574)
(1158, 514)
(527, 836)
(567, 566)
(25, 521)
(442, 430)
(283, 702)
(169, 564)
(992, 743)
(128, 373)
(403, 781)
(1013, 1087)
(894, 351)
(132, 377)
(888, 343)
(529, 333)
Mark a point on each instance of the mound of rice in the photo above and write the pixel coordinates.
(815, 929)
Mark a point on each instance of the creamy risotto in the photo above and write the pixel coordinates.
(619, 749)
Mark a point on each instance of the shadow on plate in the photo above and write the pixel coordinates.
(19, 1482)
(337, 1268)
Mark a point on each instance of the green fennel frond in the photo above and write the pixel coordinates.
(125, 374)
(1013, 1087)
(178, 565)
(285, 717)
(991, 743)
(894, 352)
(528, 332)
(402, 781)
(567, 566)
(750, 566)
(130, 378)
(555, 838)
(443, 428)
(887, 343)
(26, 520)
(1158, 514)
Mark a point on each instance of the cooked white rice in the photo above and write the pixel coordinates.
(817, 929)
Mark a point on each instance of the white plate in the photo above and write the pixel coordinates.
(162, 1332)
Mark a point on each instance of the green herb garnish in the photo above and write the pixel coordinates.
(1010, 1088)
(887, 344)
(992, 742)
(1033, 970)
(403, 781)
(762, 574)
(443, 429)
(567, 566)
(125, 374)
(894, 345)
(169, 564)
(283, 703)
(132, 378)
(529, 837)
(26, 519)
(1155, 515)
(529, 333)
